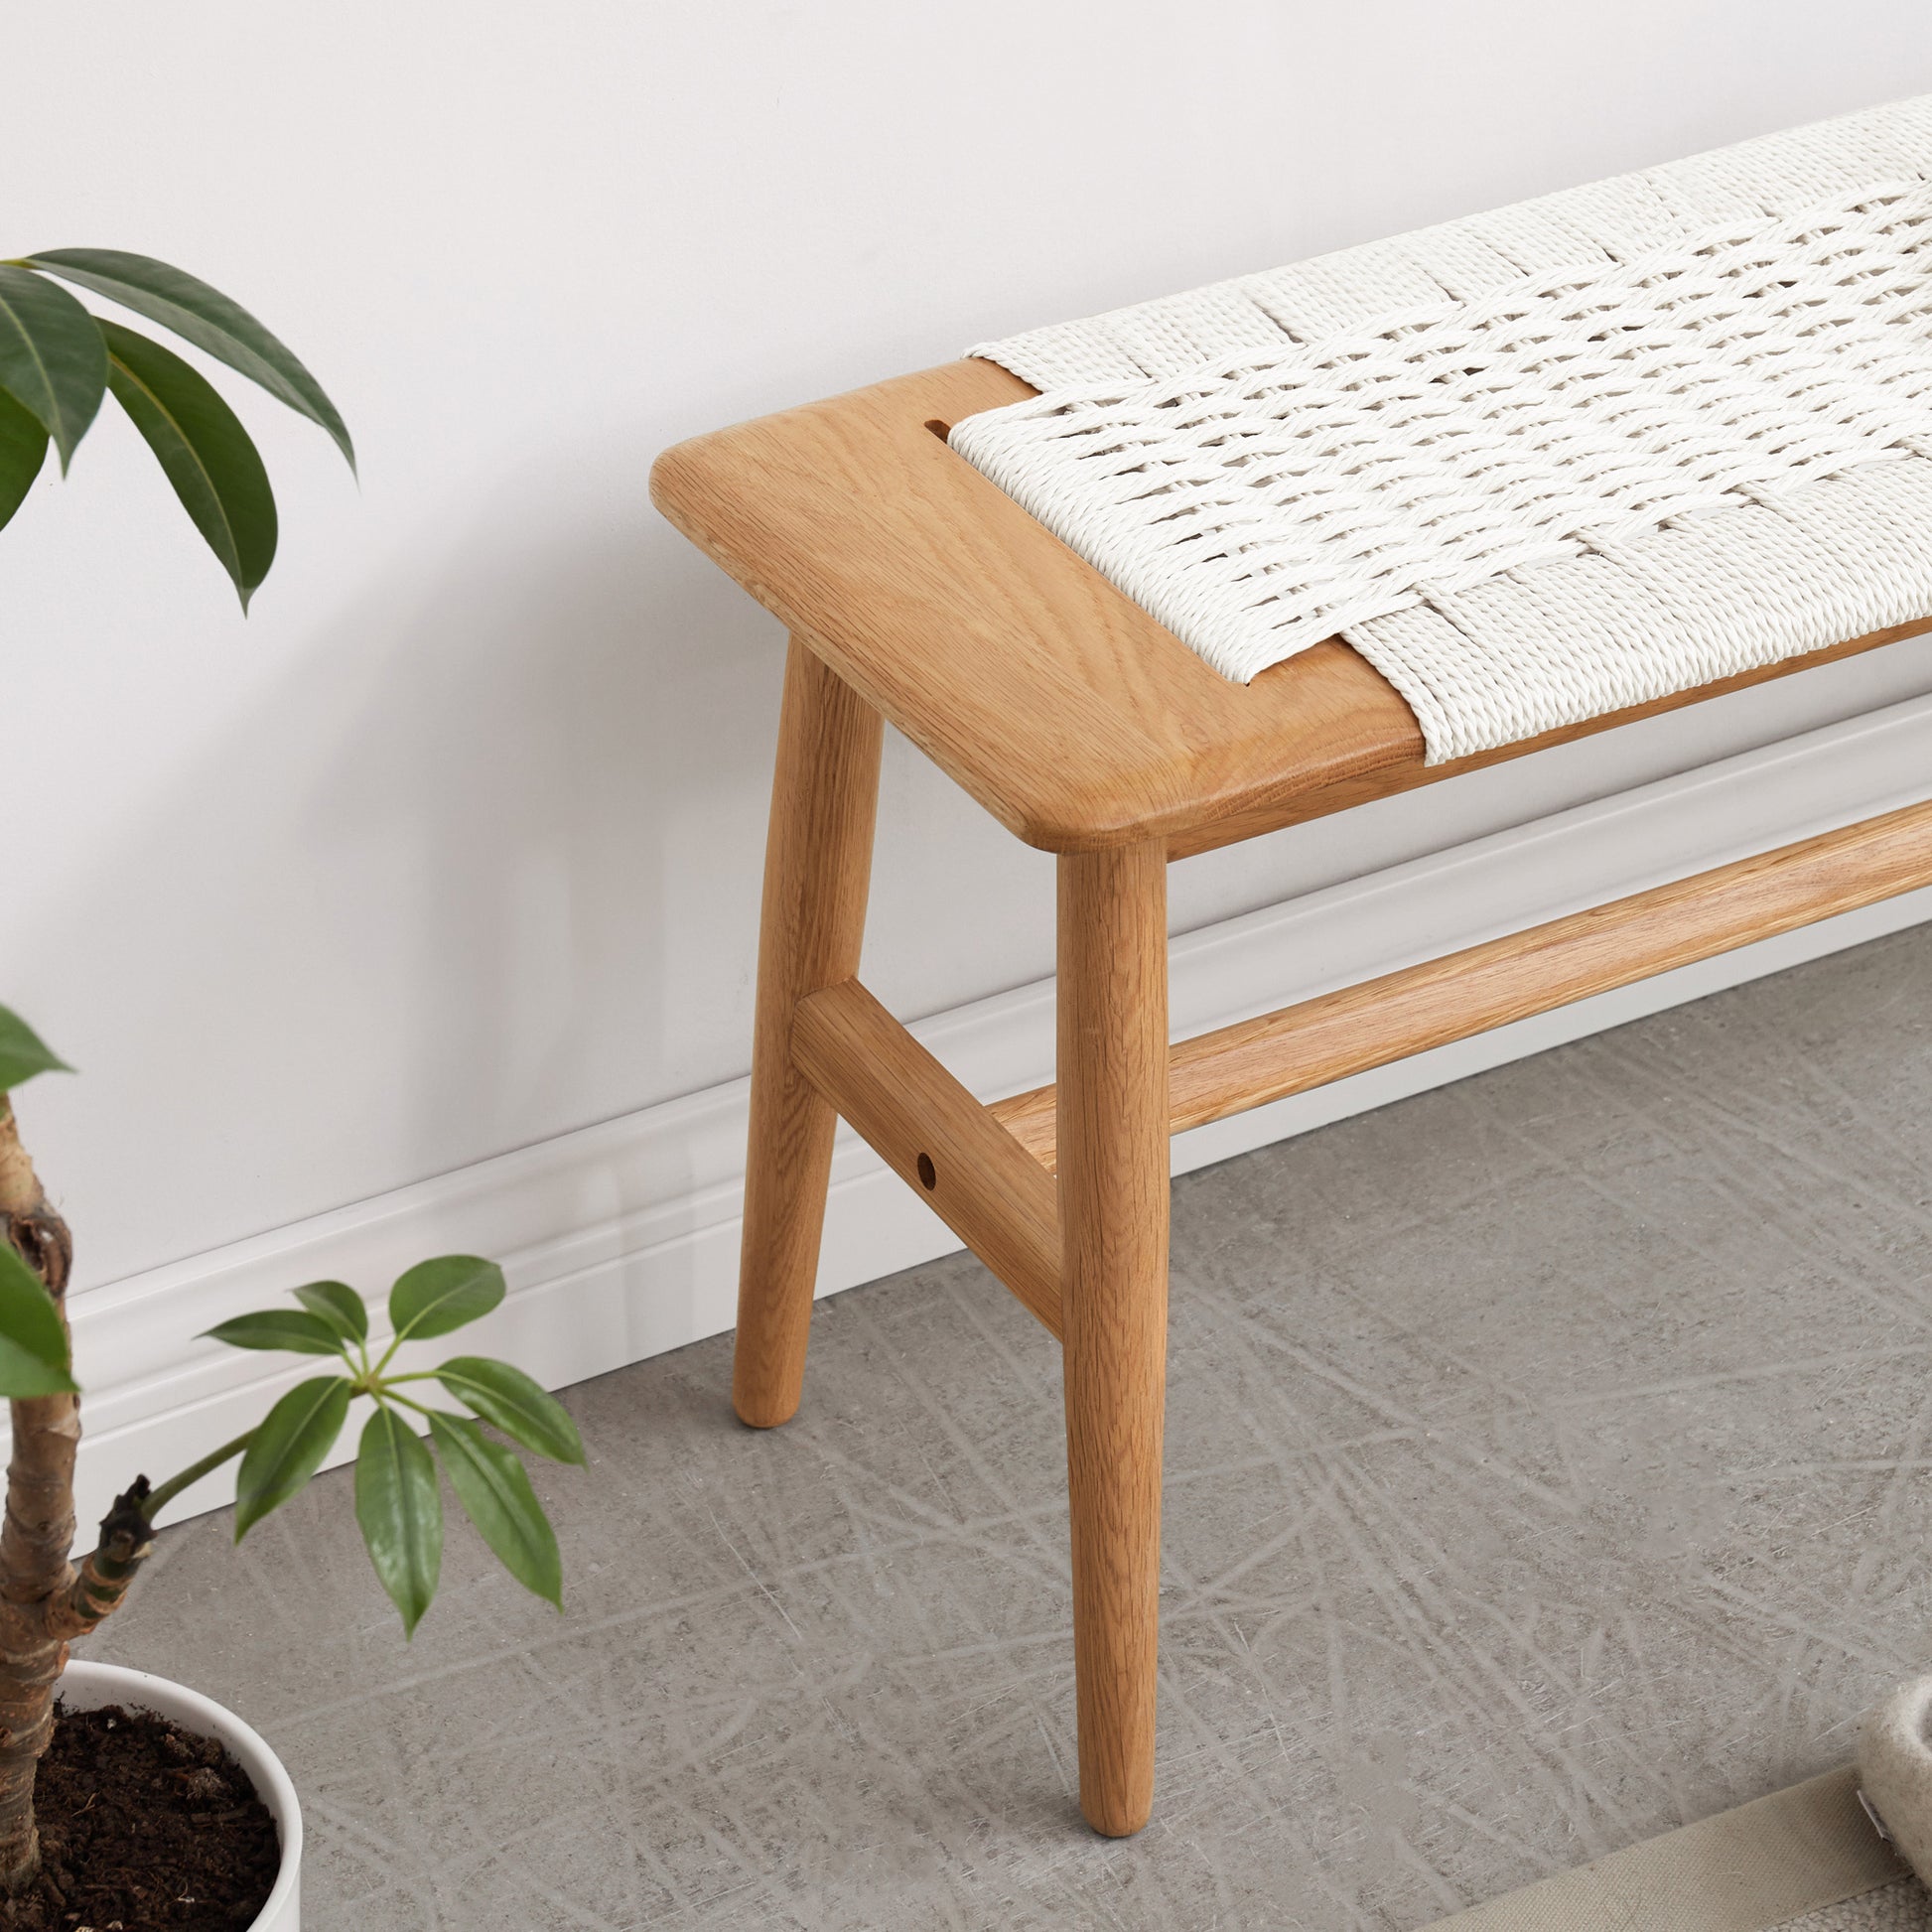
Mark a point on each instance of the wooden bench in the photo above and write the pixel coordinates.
(915, 591)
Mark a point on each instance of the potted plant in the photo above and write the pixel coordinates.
(57, 362)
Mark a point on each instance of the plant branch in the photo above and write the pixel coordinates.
(154, 1501)
(126, 1541)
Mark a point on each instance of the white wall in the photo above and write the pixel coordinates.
(453, 845)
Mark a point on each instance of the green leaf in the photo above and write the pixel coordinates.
(400, 1507)
(294, 1330)
(491, 1484)
(23, 448)
(34, 1358)
(438, 1296)
(288, 1448)
(208, 456)
(204, 317)
(23, 1052)
(51, 360)
(523, 1411)
(23, 1376)
(338, 1305)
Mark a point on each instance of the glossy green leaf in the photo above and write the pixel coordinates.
(23, 1052)
(204, 317)
(494, 1492)
(438, 1296)
(23, 449)
(294, 1330)
(399, 1506)
(288, 1448)
(34, 1356)
(51, 362)
(207, 455)
(525, 1412)
(23, 1376)
(338, 1305)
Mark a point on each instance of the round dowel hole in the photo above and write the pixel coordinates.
(928, 1174)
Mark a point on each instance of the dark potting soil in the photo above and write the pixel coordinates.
(142, 1826)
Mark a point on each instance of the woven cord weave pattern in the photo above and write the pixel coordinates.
(1586, 452)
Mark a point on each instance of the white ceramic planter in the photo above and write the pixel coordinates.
(85, 1687)
(1895, 1771)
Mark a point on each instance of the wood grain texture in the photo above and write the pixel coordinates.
(1053, 699)
(1113, 1077)
(936, 1137)
(1408, 1011)
(817, 867)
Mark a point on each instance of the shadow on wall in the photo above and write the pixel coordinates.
(546, 762)
(479, 866)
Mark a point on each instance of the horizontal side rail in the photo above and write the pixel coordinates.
(1525, 973)
(932, 1133)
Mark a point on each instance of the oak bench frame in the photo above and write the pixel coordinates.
(916, 591)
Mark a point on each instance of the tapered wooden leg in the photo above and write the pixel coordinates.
(817, 865)
(1113, 1189)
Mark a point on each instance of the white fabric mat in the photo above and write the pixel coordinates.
(1802, 1859)
(1904, 1905)
(1536, 465)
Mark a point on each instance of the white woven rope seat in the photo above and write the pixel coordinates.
(1537, 464)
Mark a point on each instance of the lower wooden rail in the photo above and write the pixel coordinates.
(935, 1136)
(1466, 993)
(987, 1171)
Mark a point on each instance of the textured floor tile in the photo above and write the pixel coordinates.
(1549, 1464)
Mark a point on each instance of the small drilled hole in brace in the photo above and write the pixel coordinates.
(928, 1174)
(939, 429)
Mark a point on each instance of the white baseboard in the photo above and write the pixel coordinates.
(620, 1240)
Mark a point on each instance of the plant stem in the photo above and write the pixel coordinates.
(157, 1500)
(39, 1528)
(126, 1543)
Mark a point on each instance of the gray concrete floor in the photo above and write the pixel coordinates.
(1549, 1464)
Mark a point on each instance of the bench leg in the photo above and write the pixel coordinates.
(817, 865)
(1113, 1192)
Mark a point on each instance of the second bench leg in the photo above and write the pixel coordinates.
(817, 865)
(1112, 1134)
